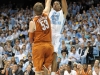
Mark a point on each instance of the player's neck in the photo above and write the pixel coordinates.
(38, 15)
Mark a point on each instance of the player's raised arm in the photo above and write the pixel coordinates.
(47, 6)
(64, 7)
(45, 2)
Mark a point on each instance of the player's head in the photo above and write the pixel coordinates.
(38, 8)
(57, 5)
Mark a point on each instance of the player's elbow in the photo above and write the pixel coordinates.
(46, 12)
(31, 40)
(65, 14)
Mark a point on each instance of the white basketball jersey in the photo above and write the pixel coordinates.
(57, 20)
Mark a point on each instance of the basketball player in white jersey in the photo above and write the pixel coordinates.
(57, 17)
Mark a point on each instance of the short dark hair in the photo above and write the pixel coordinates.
(89, 41)
(59, 2)
(38, 8)
(65, 50)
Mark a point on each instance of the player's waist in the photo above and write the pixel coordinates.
(36, 42)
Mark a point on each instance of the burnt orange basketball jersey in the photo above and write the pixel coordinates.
(43, 29)
(84, 73)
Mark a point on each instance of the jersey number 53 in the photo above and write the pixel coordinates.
(45, 25)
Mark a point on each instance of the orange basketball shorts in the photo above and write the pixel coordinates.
(42, 54)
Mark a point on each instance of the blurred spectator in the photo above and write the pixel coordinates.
(1, 63)
(89, 52)
(21, 55)
(58, 63)
(27, 63)
(64, 59)
(29, 71)
(96, 70)
(16, 70)
(73, 55)
(83, 53)
(69, 71)
(2, 38)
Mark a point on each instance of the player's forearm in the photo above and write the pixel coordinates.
(45, 2)
(64, 7)
(48, 2)
(47, 6)
(31, 39)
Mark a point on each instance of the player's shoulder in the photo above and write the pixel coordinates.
(45, 14)
(32, 22)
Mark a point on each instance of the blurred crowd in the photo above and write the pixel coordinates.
(80, 42)
(15, 49)
(79, 69)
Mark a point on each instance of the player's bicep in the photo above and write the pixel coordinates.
(32, 26)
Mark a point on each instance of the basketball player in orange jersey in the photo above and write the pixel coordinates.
(40, 38)
(57, 16)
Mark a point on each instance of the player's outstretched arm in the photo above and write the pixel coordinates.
(64, 7)
(47, 6)
(45, 2)
(31, 31)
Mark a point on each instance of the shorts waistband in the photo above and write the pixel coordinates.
(43, 42)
